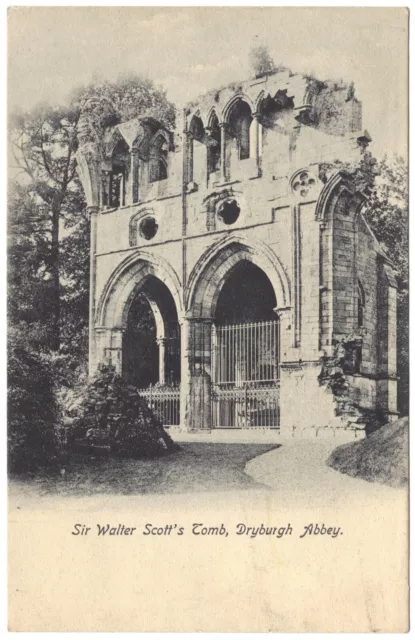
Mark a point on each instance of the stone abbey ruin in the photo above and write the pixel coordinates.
(241, 235)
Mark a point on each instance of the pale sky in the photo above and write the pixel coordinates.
(191, 50)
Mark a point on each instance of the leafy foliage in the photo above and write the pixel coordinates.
(108, 414)
(48, 252)
(261, 61)
(32, 410)
(104, 104)
(388, 216)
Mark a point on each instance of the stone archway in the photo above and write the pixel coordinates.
(155, 280)
(113, 305)
(205, 286)
(209, 274)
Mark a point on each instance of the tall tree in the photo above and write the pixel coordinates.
(388, 216)
(44, 142)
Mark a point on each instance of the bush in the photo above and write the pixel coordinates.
(33, 439)
(108, 415)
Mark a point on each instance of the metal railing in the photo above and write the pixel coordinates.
(246, 352)
(246, 373)
(164, 402)
(246, 407)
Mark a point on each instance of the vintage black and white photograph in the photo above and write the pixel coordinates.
(208, 341)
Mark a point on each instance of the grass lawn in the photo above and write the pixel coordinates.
(196, 467)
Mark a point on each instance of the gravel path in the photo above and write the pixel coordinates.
(298, 473)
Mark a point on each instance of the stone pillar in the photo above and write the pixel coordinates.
(284, 315)
(184, 374)
(134, 179)
(105, 189)
(162, 360)
(196, 405)
(190, 158)
(392, 364)
(113, 349)
(93, 215)
(256, 140)
(223, 140)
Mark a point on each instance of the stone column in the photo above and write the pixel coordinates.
(196, 406)
(184, 374)
(287, 401)
(93, 215)
(223, 139)
(105, 189)
(392, 363)
(162, 359)
(134, 184)
(113, 349)
(256, 139)
(188, 146)
(284, 315)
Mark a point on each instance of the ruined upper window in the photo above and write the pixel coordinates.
(158, 159)
(213, 144)
(196, 129)
(119, 175)
(197, 135)
(240, 121)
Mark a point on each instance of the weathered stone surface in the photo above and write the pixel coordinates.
(297, 182)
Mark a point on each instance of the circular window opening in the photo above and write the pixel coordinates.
(148, 228)
(229, 212)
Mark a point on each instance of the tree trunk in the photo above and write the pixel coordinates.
(55, 302)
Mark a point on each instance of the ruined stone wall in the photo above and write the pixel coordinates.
(314, 244)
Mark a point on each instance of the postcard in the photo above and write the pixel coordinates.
(208, 347)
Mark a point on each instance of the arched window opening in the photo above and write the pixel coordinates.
(119, 175)
(271, 108)
(213, 145)
(196, 129)
(240, 121)
(196, 151)
(158, 159)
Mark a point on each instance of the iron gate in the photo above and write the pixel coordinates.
(164, 402)
(246, 379)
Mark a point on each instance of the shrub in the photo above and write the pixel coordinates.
(108, 414)
(32, 411)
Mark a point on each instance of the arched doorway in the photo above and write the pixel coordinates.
(137, 330)
(151, 348)
(245, 346)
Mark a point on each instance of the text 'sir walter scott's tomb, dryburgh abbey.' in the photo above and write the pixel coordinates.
(243, 232)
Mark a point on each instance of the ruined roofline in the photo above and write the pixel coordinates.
(282, 75)
(330, 106)
(307, 96)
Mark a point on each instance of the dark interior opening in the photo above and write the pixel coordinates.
(247, 296)
(140, 348)
(148, 228)
(229, 212)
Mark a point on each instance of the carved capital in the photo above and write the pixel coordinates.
(282, 312)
